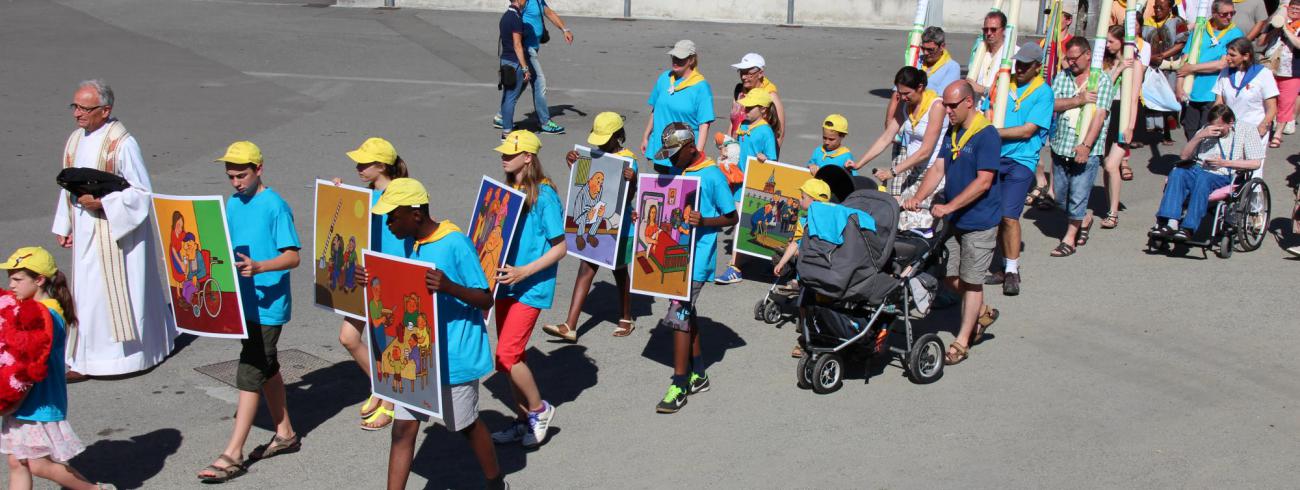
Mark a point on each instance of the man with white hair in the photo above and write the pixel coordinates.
(125, 325)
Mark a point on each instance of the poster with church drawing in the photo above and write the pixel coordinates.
(594, 209)
(769, 209)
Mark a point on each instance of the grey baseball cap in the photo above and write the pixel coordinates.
(1028, 53)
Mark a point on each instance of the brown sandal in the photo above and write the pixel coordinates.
(956, 354)
(625, 328)
(1125, 172)
(985, 320)
(277, 446)
(222, 474)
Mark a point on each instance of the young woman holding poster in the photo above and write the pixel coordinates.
(608, 136)
(527, 284)
(377, 165)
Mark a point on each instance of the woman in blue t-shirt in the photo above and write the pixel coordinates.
(36, 434)
(680, 94)
(377, 164)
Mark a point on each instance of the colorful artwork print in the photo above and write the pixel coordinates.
(402, 334)
(665, 244)
(201, 276)
(492, 225)
(341, 232)
(769, 210)
(593, 212)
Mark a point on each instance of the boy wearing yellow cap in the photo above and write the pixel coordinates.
(811, 190)
(832, 151)
(462, 297)
(266, 245)
(756, 141)
(608, 136)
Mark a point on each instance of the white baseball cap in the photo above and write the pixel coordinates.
(750, 60)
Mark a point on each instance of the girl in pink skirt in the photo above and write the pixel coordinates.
(36, 434)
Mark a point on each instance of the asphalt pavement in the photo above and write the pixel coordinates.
(1113, 369)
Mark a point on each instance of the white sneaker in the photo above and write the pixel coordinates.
(539, 423)
(1289, 128)
(513, 433)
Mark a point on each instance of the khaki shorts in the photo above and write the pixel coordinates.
(458, 412)
(259, 360)
(970, 253)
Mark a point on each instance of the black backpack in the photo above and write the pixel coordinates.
(97, 183)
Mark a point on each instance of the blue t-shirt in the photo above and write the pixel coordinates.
(381, 238)
(692, 105)
(715, 200)
(841, 157)
(1037, 109)
(980, 153)
(1203, 83)
(469, 357)
(543, 224)
(533, 11)
(261, 227)
(945, 75)
(759, 139)
(47, 401)
(512, 22)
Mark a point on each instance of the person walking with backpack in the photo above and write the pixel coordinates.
(534, 34)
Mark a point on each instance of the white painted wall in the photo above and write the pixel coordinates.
(958, 15)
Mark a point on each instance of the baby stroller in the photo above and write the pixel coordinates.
(854, 291)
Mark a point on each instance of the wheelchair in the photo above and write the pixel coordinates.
(1237, 219)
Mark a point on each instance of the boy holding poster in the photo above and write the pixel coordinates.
(717, 210)
(462, 296)
(266, 247)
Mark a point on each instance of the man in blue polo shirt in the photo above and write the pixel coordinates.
(968, 164)
(1028, 118)
(1219, 31)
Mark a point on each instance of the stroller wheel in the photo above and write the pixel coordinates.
(772, 313)
(759, 308)
(827, 374)
(803, 372)
(925, 359)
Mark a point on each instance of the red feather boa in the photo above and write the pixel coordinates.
(26, 328)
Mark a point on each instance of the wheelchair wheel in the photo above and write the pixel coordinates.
(827, 374)
(1252, 211)
(211, 298)
(925, 359)
(772, 313)
(1225, 246)
(803, 372)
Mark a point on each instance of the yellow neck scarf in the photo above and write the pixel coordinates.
(53, 304)
(1033, 85)
(445, 227)
(749, 128)
(978, 123)
(692, 79)
(927, 98)
(1209, 30)
(834, 153)
(943, 60)
(1149, 22)
(701, 164)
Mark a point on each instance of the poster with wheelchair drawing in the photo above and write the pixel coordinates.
(492, 225)
(769, 208)
(341, 231)
(403, 334)
(201, 277)
(593, 211)
(665, 244)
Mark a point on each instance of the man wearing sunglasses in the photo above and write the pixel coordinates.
(124, 327)
(968, 165)
(983, 76)
(1214, 45)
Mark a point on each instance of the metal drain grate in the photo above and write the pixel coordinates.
(294, 364)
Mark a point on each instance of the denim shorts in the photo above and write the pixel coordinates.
(1073, 183)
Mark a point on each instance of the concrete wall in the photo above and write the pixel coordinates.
(958, 15)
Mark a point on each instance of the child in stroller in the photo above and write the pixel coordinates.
(780, 298)
(857, 279)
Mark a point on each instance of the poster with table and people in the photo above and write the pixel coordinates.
(402, 334)
(201, 276)
(665, 243)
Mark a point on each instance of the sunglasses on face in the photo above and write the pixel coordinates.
(929, 49)
(679, 61)
(954, 105)
(991, 29)
(1226, 15)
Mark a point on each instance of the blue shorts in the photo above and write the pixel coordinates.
(1016, 180)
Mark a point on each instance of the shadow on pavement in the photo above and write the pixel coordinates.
(128, 463)
(715, 340)
(603, 307)
(318, 396)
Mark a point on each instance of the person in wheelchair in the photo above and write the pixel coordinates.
(1208, 162)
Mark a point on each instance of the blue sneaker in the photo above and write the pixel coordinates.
(731, 276)
(551, 128)
(497, 122)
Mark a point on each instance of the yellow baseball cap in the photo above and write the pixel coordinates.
(817, 189)
(756, 97)
(35, 259)
(604, 127)
(519, 141)
(401, 192)
(374, 150)
(837, 123)
(242, 152)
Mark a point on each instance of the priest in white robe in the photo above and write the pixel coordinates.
(126, 320)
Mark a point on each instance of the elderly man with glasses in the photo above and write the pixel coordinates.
(124, 327)
(984, 75)
(1214, 45)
